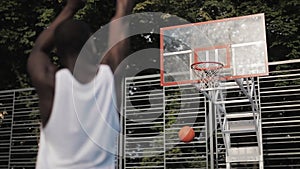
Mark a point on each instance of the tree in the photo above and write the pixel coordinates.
(22, 21)
(282, 18)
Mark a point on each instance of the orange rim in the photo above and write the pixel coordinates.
(218, 66)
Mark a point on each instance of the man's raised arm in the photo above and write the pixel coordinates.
(39, 65)
(118, 29)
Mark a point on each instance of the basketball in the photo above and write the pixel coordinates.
(186, 134)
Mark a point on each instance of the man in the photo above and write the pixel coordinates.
(79, 117)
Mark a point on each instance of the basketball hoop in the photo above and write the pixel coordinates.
(207, 74)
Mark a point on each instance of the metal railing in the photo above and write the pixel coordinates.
(154, 114)
(19, 128)
(280, 107)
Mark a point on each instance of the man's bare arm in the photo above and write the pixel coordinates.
(39, 66)
(118, 30)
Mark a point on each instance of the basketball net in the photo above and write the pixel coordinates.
(207, 74)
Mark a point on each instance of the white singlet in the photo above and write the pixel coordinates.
(83, 128)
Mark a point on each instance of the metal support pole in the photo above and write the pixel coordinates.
(11, 129)
(211, 131)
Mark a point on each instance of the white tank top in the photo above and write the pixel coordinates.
(83, 128)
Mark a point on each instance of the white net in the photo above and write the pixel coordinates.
(206, 74)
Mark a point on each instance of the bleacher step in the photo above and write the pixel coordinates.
(243, 154)
(240, 126)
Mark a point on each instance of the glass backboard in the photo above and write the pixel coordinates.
(238, 43)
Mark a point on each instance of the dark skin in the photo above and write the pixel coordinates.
(42, 71)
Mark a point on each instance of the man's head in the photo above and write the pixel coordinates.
(69, 38)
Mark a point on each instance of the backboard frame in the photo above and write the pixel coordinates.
(229, 48)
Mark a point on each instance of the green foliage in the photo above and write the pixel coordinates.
(187, 9)
(172, 106)
(21, 22)
(282, 18)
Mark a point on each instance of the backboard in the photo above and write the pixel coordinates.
(238, 43)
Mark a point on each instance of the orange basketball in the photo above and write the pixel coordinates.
(186, 134)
